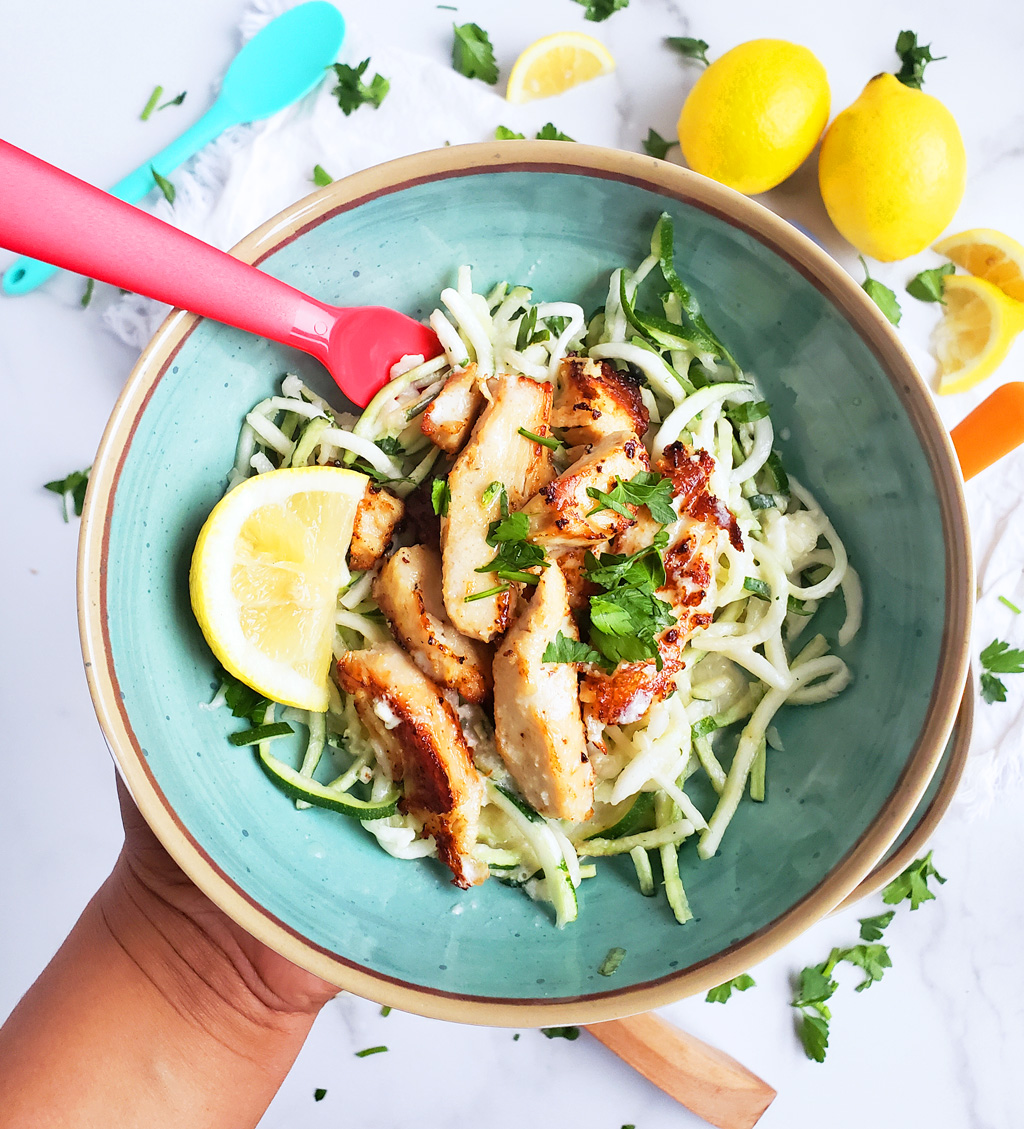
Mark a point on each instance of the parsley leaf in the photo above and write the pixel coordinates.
(164, 185)
(321, 178)
(625, 623)
(472, 53)
(562, 649)
(352, 92)
(177, 101)
(871, 928)
(569, 1033)
(881, 295)
(992, 689)
(71, 488)
(440, 496)
(503, 133)
(656, 145)
(370, 1051)
(873, 959)
(548, 132)
(495, 490)
(548, 441)
(689, 48)
(927, 286)
(514, 553)
(721, 993)
(90, 286)
(813, 1032)
(913, 58)
(645, 488)
(319, 1094)
(643, 569)
(998, 658)
(242, 700)
(912, 884)
(749, 412)
(599, 10)
(391, 446)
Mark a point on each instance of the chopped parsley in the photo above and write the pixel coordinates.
(569, 1033)
(158, 92)
(370, 1051)
(71, 489)
(914, 59)
(723, 992)
(440, 496)
(503, 133)
(749, 412)
(641, 569)
(385, 1011)
(549, 132)
(472, 53)
(689, 48)
(612, 961)
(562, 649)
(176, 101)
(1013, 607)
(998, 658)
(319, 1094)
(90, 285)
(912, 884)
(487, 592)
(600, 10)
(164, 185)
(548, 441)
(881, 295)
(871, 928)
(927, 286)
(495, 490)
(242, 700)
(645, 488)
(352, 92)
(321, 178)
(656, 145)
(514, 553)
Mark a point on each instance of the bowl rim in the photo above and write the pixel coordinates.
(830, 279)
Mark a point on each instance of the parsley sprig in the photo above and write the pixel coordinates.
(914, 58)
(690, 48)
(72, 490)
(881, 295)
(599, 10)
(816, 984)
(514, 553)
(352, 92)
(998, 658)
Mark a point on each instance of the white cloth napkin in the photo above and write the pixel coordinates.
(252, 172)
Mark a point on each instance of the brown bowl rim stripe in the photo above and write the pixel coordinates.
(847, 876)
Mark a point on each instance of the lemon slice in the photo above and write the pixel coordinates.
(988, 254)
(556, 63)
(265, 577)
(976, 332)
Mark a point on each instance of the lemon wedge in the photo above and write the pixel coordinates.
(556, 63)
(265, 577)
(976, 333)
(988, 254)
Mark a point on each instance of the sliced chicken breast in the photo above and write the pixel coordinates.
(376, 517)
(594, 400)
(538, 727)
(418, 741)
(496, 452)
(408, 592)
(448, 419)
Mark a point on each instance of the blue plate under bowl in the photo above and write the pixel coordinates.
(857, 427)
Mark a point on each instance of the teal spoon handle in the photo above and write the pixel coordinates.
(25, 274)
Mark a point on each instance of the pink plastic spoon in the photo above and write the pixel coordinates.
(48, 214)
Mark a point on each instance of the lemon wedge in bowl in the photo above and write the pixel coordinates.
(265, 577)
(556, 63)
(987, 254)
(976, 333)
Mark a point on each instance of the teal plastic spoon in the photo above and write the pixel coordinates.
(282, 62)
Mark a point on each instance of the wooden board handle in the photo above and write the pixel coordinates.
(705, 1080)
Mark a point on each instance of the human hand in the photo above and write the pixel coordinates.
(146, 879)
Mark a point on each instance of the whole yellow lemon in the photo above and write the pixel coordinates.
(892, 170)
(755, 114)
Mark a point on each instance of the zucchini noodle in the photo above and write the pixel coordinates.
(739, 666)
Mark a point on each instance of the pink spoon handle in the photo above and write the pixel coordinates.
(50, 215)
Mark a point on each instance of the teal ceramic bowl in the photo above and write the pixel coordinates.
(857, 426)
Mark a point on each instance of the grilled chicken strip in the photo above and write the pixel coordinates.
(560, 513)
(593, 400)
(496, 452)
(448, 419)
(408, 591)
(418, 741)
(376, 517)
(538, 728)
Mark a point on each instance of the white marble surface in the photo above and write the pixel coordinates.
(939, 1041)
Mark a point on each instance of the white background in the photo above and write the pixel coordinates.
(939, 1041)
